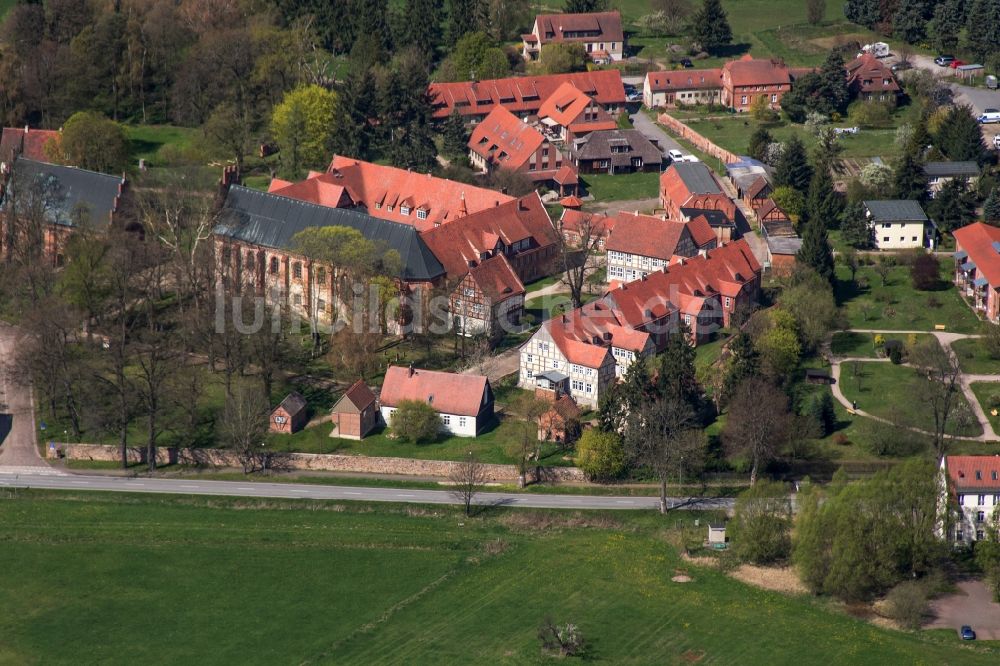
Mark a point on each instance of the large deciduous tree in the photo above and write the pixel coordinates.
(303, 126)
(758, 423)
(91, 141)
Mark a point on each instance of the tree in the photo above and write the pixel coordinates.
(244, 427)
(938, 386)
(456, 137)
(405, 113)
(789, 200)
(810, 300)
(710, 26)
(762, 524)
(157, 362)
(624, 397)
(960, 137)
(863, 12)
(854, 227)
(564, 641)
(947, 24)
(464, 16)
(759, 141)
(832, 89)
(954, 205)
(600, 455)
(561, 58)
(982, 30)
(469, 56)
(354, 136)
(584, 6)
(907, 603)
(925, 272)
(743, 363)
(877, 178)
(423, 25)
(815, 251)
(524, 446)
(761, 111)
(909, 22)
(988, 554)
(415, 421)
(228, 130)
(849, 258)
(815, 11)
(824, 203)
(991, 207)
(758, 423)
(91, 141)
(991, 341)
(675, 371)
(820, 411)
(577, 257)
(303, 126)
(467, 479)
(779, 351)
(883, 268)
(793, 169)
(909, 179)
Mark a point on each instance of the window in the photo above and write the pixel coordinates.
(980, 516)
(589, 372)
(743, 100)
(531, 166)
(961, 500)
(979, 475)
(249, 264)
(958, 535)
(421, 214)
(774, 98)
(404, 210)
(468, 292)
(914, 238)
(461, 421)
(446, 419)
(530, 358)
(885, 238)
(320, 305)
(297, 299)
(555, 366)
(378, 205)
(389, 208)
(589, 388)
(980, 535)
(982, 500)
(576, 369)
(531, 373)
(545, 152)
(996, 500)
(297, 270)
(543, 346)
(321, 275)
(729, 302)
(577, 385)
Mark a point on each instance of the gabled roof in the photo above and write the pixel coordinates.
(565, 104)
(523, 94)
(951, 169)
(318, 188)
(962, 470)
(446, 392)
(687, 79)
(767, 207)
(496, 278)
(270, 220)
(573, 220)
(292, 404)
(25, 142)
(576, 351)
(785, 245)
(69, 191)
(756, 187)
(748, 71)
(606, 25)
(715, 218)
(650, 236)
(979, 241)
(694, 178)
(869, 74)
(896, 210)
(457, 243)
(358, 395)
(504, 140)
(597, 145)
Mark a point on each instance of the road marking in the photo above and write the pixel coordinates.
(191, 487)
(406, 495)
(296, 490)
(244, 488)
(625, 502)
(80, 483)
(130, 483)
(350, 493)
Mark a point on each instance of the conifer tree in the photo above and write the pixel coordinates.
(815, 251)
(710, 26)
(793, 168)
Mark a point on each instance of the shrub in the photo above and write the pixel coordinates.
(840, 439)
(820, 410)
(925, 272)
(415, 421)
(762, 523)
(906, 604)
(600, 455)
(991, 341)
(895, 354)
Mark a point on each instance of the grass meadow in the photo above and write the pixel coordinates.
(131, 579)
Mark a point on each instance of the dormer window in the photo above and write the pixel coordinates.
(404, 210)
(979, 475)
(421, 214)
(378, 205)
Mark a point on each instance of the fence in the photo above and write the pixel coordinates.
(696, 139)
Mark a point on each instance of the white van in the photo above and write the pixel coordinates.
(991, 117)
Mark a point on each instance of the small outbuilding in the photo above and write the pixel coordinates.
(817, 376)
(291, 415)
(716, 533)
(356, 413)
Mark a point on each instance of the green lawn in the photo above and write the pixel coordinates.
(154, 580)
(887, 390)
(974, 359)
(898, 306)
(988, 395)
(607, 187)
(164, 145)
(854, 344)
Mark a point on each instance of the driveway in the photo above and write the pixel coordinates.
(654, 132)
(18, 449)
(972, 605)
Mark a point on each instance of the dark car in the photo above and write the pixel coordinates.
(686, 63)
(967, 633)
(900, 66)
(944, 60)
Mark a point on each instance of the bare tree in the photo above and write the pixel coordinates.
(578, 256)
(467, 478)
(525, 446)
(566, 641)
(663, 435)
(244, 427)
(938, 387)
(758, 423)
(157, 363)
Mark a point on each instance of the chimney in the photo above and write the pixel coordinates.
(410, 371)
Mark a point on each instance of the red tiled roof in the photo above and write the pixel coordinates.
(756, 187)
(523, 94)
(457, 243)
(688, 79)
(866, 73)
(768, 207)
(607, 25)
(504, 140)
(496, 278)
(977, 240)
(567, 104)
(701, 231)
(649, 236)
(570, 202)
(748, 71)
(567, 175)
(572, 221)
(359, 394)
(378, 187)
(28, 143)
(581, 353)
(962, 472)
(446, 392)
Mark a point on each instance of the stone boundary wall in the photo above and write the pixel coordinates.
(324, 462)
(699, 142)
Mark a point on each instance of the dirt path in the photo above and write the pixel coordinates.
(19, 449)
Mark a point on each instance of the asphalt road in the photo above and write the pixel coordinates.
(28, 478)
(651, 130)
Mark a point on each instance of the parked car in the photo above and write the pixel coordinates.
(901, 66)
(989, 117)
(955, 64)
(686, 63)
(845, 130)
(996, 142)
(675, 155)
(944, 60)
(967, 633)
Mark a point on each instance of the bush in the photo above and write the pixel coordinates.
(991, 341)
(925, 272)
(870, 114)
(762, 523)
(906, 604)
(895, 354)
(820, 410)
(600, 455)
(415, 421)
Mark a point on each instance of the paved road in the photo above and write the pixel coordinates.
(654, 132)
(18, 448)
(28, 479)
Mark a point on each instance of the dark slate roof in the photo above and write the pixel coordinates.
(896, 210)
(597, 145)
(716, 218)
(271, 220)
(951, 169)
(784, 244)
(69, 189)
(697, 178)
(292, 404)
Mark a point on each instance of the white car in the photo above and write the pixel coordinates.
(996, 142)
(991, 117)
(675, 155)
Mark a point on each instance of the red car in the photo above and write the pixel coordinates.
(955, 64)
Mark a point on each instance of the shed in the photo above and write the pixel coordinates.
(290, 415)
(969, 71)
(818, 376)
(355, 414)
(716, 533)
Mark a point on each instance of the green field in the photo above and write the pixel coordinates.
(974, 358)
(988, 395)
(618, 187)
(897, 306)
(861, 345)
(157, 580)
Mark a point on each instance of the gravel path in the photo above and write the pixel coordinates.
(19, 448)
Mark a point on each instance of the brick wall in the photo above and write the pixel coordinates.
(317, 462)
(696, 139)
